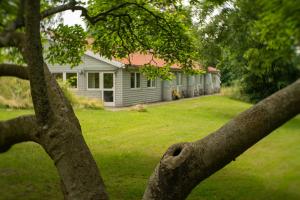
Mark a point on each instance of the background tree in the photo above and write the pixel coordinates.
(255, 40)
(118, 28)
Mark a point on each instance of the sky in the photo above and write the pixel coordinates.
(72, 18)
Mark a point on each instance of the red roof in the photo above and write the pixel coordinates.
(138, 59)
(212, 69)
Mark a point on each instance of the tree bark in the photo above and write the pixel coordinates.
(59, 131)
(14, 70)
(33, 55)
(20, 129)
(185, 165)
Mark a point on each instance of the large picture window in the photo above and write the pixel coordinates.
(93, 80)
(135, 80)
(72, 79)
(151, 83)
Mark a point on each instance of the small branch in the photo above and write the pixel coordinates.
(20, 129)
(14, 70)
(58, 9)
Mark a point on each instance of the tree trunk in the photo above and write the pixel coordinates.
(185, 165)
(56, 127)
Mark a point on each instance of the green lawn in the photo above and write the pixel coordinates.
(128, 144)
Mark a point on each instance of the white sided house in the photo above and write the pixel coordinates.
(117, 85)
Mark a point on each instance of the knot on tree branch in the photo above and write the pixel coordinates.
(176, 155)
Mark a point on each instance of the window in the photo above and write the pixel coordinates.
(72, 79)
(93, 80)
(135, 80)
(178, 78)
(108, 80)
(151, 83)
(58, 76)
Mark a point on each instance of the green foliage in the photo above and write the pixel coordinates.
(142, 27)
(67, 45)
(79, 102)
(151, 72)
(252, 41)
(118, 28)
(15, 93)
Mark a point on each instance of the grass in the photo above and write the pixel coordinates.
(128, 144)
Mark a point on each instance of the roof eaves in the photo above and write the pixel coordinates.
(106, 60)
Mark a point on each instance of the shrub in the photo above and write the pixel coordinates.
(15, 93)
(79, 102)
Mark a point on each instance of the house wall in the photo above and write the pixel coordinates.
(131, 96)
(125, 96)
(119, 88)
(89, 64)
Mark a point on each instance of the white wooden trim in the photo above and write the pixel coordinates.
(152, 87)
(113, 89)
(103, 59)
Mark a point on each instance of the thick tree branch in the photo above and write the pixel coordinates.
(185, 165)
(34, 57)
(58, 9)
(20, 129)
(73, 5)
(13, 70)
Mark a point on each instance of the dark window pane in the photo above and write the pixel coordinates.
(132, 80)
(108, 96)
(72, 79)
(148, 83)
(108, 80)
(138, 80)
(93, 80)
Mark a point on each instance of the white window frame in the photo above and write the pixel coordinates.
(152, 83)
(135, 80)
(108, 89)
(87, 81)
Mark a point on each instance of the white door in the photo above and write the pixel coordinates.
(108, 95)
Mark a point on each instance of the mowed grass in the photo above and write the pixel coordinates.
(127, 145)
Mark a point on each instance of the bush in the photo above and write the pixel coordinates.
(235, 92)
(79, 102)
(15, 93)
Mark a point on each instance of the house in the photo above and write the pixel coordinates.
(117, 85)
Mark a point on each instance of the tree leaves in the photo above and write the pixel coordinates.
(67, 45)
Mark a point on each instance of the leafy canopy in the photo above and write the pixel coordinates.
(252, 41)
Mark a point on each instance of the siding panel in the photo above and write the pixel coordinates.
(142, 94)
